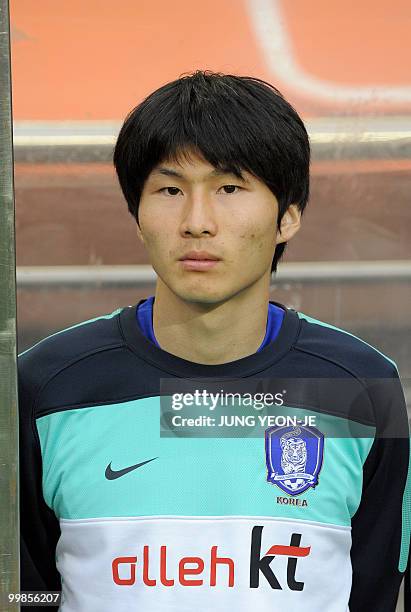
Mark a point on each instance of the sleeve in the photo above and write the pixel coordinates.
(39, 527)
(381, 525)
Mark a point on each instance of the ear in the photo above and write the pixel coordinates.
(290, 224)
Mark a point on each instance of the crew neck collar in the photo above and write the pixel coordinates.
(178, 366)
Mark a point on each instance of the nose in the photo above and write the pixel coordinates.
(198, 216)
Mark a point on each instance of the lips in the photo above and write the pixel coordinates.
(199, 261)
(199, 256)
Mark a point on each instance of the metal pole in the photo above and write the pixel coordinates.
(308, 273)
(9, 517)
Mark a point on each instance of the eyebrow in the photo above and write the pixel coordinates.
(216, 172)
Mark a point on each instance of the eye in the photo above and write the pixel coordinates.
(170, 191)
(230, 188)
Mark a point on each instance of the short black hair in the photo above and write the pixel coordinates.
(235, 122)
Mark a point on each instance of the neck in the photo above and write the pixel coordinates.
(211, 333)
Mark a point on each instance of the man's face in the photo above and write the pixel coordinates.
(191, 206)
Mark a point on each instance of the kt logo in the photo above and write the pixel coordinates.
(262, 564)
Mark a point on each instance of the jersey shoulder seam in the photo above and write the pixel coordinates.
(66, 329)
(69, 364)
(69, 360)
(324, 325)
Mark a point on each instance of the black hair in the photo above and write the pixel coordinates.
(235, 122)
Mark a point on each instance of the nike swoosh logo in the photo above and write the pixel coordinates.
(113, 474)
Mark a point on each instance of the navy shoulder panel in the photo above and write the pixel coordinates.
(343, 349)
(51, 355)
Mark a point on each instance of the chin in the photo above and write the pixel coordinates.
(202, 295)
(202, 290)
(212, 297)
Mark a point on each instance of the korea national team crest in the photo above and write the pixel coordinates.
(294, 457)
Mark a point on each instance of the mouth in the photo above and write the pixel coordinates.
(199, 264)
(199, 260)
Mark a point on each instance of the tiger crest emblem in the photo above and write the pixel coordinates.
(294, 457)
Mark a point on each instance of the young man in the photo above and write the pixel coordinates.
(126, 505)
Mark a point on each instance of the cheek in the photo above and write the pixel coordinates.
(259, 237)
(153, 234)
(156, 226)
(151, 237)
(258, 223)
